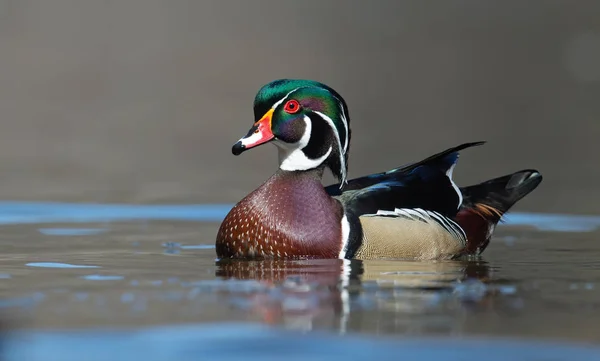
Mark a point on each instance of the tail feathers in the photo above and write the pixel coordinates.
(484, 205)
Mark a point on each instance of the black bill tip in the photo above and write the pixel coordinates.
(238, 148)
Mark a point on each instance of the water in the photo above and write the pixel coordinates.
(138, 272)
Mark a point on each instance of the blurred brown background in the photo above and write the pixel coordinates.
(141, 100)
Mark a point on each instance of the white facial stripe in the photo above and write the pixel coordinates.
(337, 137)
(283, 99)
(449, 175)
(344, 120)
(291, 156)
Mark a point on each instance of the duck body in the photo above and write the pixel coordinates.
(411, 212)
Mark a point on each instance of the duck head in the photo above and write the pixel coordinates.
(308, 122)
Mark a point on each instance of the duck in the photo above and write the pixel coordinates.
(415, 211)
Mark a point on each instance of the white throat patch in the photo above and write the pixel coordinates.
(291, 156)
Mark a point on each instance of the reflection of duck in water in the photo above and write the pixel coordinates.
(422, 275)
(330, 272)
(326, 293)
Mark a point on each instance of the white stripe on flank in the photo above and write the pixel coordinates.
(337, 137)
(449, 175)
(291, 156)
(412, 212)
(382, 212)
(445, 222)
(345, 237)
(418, 214)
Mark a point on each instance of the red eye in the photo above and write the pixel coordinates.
(291, 106)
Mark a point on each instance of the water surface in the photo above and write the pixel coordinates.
(83, 267)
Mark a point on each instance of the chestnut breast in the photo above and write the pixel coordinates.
(289, 216)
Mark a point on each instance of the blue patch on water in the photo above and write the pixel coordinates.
(5, 276)
(97, 277)
(71, 231)
(261, 343)
(58, 265)
(175, 245)
(57, 212)
(554, 222)
(198, 246)
(507, 289)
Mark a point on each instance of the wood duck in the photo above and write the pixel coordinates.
(412, 212)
